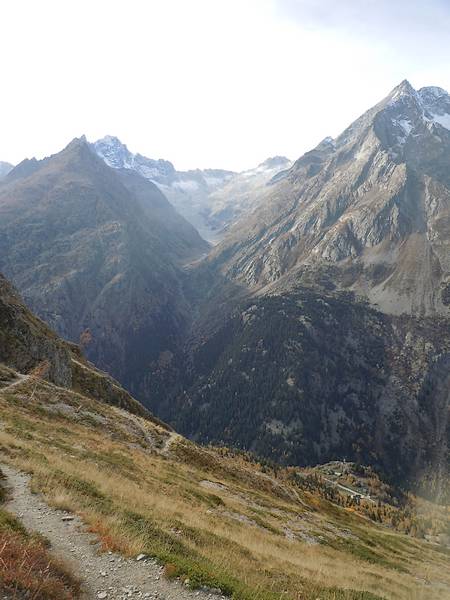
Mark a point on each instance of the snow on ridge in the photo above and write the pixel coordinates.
(406, 125)
(110, 140)
(432, 104)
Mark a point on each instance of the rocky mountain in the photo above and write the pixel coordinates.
(5, 168)
(188, 191)
(116, 155)
(368, 211)
(210, 199)
(325, 328)
(98, 254)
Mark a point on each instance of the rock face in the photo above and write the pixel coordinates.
(116, 155)
(210, 199)
(97, 254)
(369, 210)
(26, 341)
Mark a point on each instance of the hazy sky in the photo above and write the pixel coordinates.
(207, 83)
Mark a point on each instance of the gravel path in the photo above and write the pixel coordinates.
(104, 575)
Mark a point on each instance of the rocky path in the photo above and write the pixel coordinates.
(104, 575)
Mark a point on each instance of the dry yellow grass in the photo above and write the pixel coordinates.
(217, 518)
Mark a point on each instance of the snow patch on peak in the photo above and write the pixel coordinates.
(404, 89)
(406, 125)
(327, 143)
(429, 105)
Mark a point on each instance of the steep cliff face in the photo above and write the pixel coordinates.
(97, 254)
(374, 204)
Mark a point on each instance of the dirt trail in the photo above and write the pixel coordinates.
(19, 379)
(171, 439)
(104, 575)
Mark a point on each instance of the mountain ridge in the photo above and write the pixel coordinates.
(373, 199)
(211, 199)
(98, 254)
(343, 262)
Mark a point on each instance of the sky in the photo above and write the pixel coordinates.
(207, 83)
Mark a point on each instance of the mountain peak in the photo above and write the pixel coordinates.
(110, 139)
(401, 90)
(275, 161)
(109, 144)
(78, 152)
(114, 152)
(424, 99)
(77, 144)
(405, 85)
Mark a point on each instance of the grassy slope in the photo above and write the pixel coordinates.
(210, 517)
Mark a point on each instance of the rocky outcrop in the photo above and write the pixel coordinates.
(26, 342)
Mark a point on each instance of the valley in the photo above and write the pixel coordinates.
(242, 378)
